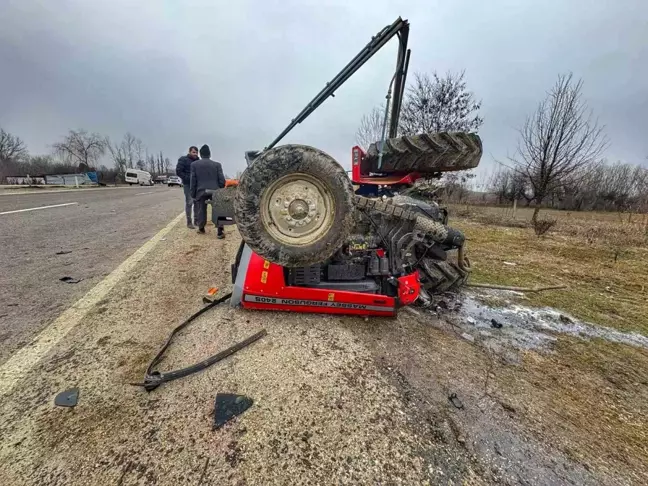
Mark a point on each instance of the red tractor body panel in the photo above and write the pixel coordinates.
(265, 288)
(359, 178)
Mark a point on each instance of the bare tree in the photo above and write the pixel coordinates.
(457, 186)
(440, 104)
(508, 185)
(150, 162)
(558, 140)
(127, 153)
(81, 148)
(370, 129)
(159, 164)
(139, 151)
(12, 147)
(118, 156)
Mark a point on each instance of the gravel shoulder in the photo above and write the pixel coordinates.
(336, 399)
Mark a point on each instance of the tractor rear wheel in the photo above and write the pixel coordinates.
(294, 205)
(440, 276)
(426, 153)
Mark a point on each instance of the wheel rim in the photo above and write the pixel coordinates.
(297, 209)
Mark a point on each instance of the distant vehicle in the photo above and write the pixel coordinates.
(174, 181)
(141, 177)
(162, 179)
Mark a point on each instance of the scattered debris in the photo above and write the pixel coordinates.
(200, 481)
(70, 280)
(454, 399)
(63, 252)
(507, 406)
(496, 324)
(470, 320)
(67, 398)
(468, 337)
(211, 295)
(564, 319)
(228, 406)
(154, 378)
(510, 264)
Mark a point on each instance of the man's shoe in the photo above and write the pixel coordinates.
(221, 236)
(201, 231)
(190, 226)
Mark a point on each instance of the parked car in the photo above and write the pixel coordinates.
(141, 177)
(174, 181)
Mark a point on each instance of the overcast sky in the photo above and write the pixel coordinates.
(233, 74)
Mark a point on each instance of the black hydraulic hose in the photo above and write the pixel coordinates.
(153, 379)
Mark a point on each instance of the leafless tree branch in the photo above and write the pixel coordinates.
(81, 148)
(558, 141)
(440, 104)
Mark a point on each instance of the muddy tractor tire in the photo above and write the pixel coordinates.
(441, 276)
(427, 153)
(294, 205)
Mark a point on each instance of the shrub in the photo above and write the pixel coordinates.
(542, 226)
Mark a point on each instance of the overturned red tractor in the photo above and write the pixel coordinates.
(313, 243)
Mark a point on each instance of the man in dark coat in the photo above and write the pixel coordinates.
(183, 171)
(206, 174)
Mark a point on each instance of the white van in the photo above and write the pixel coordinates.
(141, 177)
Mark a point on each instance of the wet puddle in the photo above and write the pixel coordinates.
(516, 326)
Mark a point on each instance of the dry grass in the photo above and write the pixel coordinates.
(614, 229)
(605, 272)
(588, 397)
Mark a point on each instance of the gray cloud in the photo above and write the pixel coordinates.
(233, 74)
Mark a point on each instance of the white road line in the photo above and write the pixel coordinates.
(14, 192)
(40, 207)
(147, 192)
(16, 367)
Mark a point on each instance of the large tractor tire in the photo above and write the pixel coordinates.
(426, 153)
(441, 276)
(294, 205)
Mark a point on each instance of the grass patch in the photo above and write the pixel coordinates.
(606, 285)
(587, 397)
(590, 398)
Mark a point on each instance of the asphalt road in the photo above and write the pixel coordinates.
(85, 241)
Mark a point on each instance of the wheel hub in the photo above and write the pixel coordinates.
(297, 209)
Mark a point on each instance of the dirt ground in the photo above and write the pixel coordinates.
(337, 400)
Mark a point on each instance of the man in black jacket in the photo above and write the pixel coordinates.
(205, 175)
(183, 171)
